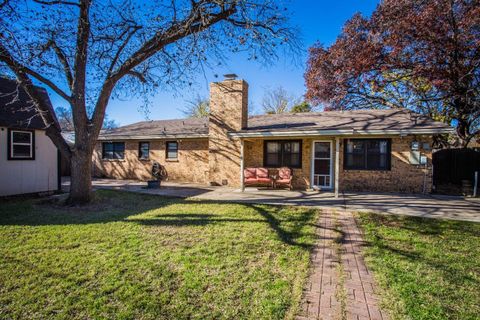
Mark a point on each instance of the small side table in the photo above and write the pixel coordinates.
(274, 178)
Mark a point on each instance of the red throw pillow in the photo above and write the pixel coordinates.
(284, 173)
(262, 173)
(250, 173)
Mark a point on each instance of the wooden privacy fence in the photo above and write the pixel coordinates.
(454, 170)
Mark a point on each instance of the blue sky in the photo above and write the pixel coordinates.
(318, 20)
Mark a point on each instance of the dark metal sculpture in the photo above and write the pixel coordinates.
(159, 173)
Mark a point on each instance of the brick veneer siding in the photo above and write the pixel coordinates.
(301, 177)
(191, 166)
(228, 112)
(403, 177)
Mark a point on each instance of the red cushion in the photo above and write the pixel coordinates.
(264, 180)
(283, 181)
(250, 173)
(284, 173)
(262, 173)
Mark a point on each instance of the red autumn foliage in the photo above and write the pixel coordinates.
(421, 55)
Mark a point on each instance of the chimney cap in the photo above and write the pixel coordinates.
(230, 76)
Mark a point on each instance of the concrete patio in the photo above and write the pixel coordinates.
(430, 206)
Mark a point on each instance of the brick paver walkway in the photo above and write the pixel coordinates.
(340, 285)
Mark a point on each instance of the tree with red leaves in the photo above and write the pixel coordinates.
(421, 55)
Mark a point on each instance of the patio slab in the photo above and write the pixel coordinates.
(429, 206)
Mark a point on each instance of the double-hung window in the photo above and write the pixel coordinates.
(367, 154)
(144, 150)
(21, 145)
(283, 153)
(172, 150)
(113, 150)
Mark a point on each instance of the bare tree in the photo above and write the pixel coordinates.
(278, 100)
(197, 108)
(88, 51)
(65, 120)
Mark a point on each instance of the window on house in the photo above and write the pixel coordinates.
(113, 150)
(21, 145)
(285, 153)
(144, 150)
(172, 150)
(367, 154)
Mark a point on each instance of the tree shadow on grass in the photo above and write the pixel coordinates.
(430, 229)
(117, 206)
(288, 236)
(108, 206)
(427, 226)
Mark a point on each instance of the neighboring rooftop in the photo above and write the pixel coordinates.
(16, 107)
(328, 122)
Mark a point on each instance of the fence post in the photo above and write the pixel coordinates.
(475, 186)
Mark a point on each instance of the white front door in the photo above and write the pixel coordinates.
(322, 165)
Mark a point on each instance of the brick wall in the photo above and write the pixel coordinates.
(403, 177)
(228, 112)
(301, 177)
(191, 166)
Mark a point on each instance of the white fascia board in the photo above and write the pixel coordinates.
(337, 132)
(151, 137)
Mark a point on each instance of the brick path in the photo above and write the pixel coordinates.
(340, 285)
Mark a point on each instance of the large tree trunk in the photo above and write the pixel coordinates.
(81, 178)
(463, 132)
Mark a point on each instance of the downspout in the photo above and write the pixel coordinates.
(337, 166)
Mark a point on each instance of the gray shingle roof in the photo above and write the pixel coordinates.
(160, 129)
(359, 120)
(397, 119)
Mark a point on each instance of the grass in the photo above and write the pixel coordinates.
(427, 268)
(136, 256)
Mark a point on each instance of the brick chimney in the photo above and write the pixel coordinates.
(228, 113)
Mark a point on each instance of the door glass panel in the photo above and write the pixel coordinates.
(322, 166)
(322, 150)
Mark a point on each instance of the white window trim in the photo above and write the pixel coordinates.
(12, 156)
(166, 150)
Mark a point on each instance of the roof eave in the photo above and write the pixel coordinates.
(338, 132)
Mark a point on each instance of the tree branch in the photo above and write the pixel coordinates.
(120, 49)
(52, 127)
(64, 61)
(6, 57)
(194, 23)
(53, 2)
(79, 112)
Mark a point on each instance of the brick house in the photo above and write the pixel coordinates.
(365, 150)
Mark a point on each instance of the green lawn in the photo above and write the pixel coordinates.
(428, 268)
(137, 256)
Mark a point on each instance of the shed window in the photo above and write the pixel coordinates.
(172, 150)
(21, 145)
(144, 150)
(367, 154)
(283, 153)
(113, 150)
